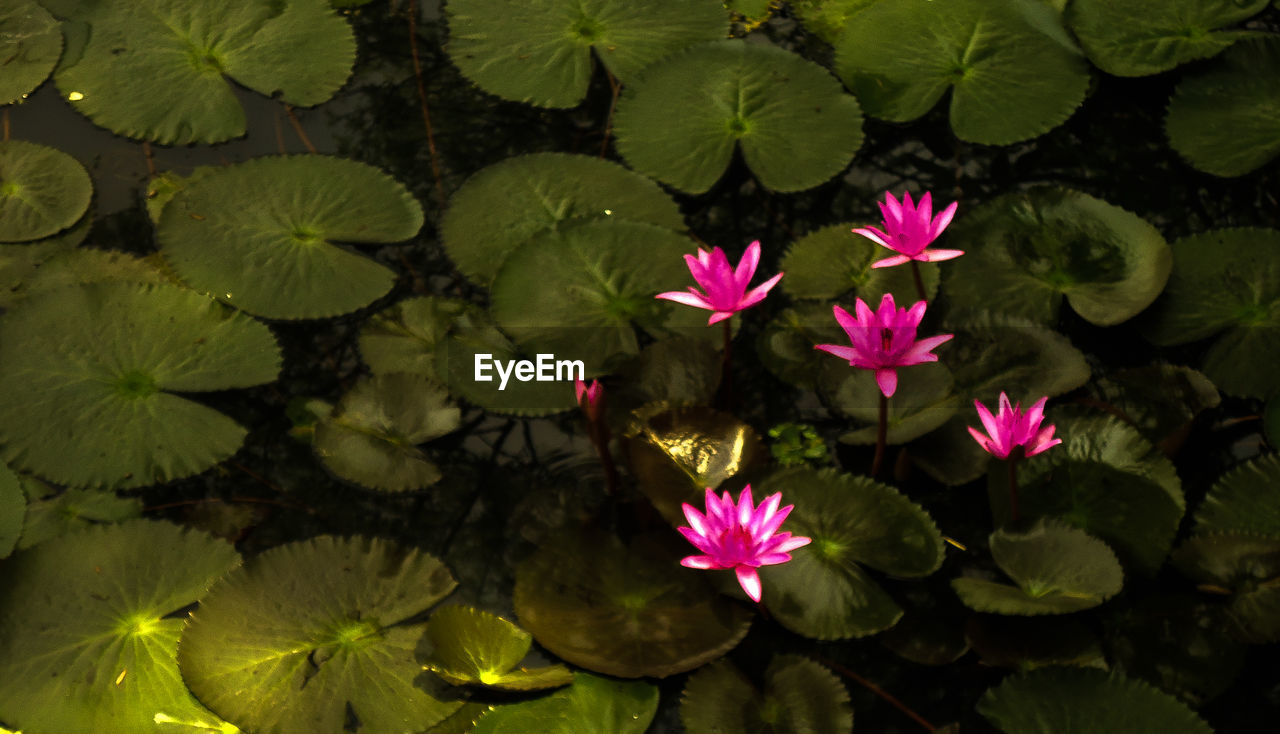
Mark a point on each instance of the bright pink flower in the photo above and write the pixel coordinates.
(592, 393)
(725, 287)
(884, 340)
(742, 536)
(1010, 427)
(909, 229)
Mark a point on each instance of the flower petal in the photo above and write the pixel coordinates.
(719, 316)
(887, 379)
(705, 563)
(876, 236)
(749, 579)
(688, 299)
(846, 353)
(941, 221)
(747, 265)
(933, 256)
(697, 521)
(757, 294)
(889, 262)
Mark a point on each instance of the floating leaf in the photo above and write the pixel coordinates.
(795, 125)
(1056, 569)
(1026, 251)
(1138, 38)
(827, 18)
(159, 69)
(1160, 400)
(260, 235)
(30, 44)
(470, 646)
(95, 651)
(676, 371)
(1248, 567)
(42, 191)
(403, 337)
(833, 263)
(310, 634)
(539, 51)
(786, 344)
(1245, 500)
(51, 514)
(95, 375)
(1009, 79)
(799, 695)
(823, 592)
(923, 402)
(542, 192)
(627, 611)
(85, 265)
(372, 437)
(592, 704)
(13, 510)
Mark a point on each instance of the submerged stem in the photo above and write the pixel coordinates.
(726, 369)
(1013, 483)
(422, 102)
(915, 275)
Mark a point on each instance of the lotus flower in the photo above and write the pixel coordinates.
(909, 229)
(884, 340)
(593, 393)
(742, 536)
(725, 288)
(1010, 428)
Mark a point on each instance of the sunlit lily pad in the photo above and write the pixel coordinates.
(823, 592)
(161, 69)
(1025, 252)
(30, 44)
(309, 636)
(539, 51)
(51, 513)
(592, 704)
(799, 695)
(1009, 79)
(627, 611)
(1085, 701)
(1226, 279)
(42, 191)
(85, 265)
(1245, 500)
(833, 263)
(403, 338)
(95, 651)
(372, 438)
(1248, 568)
(261, 235)
(924, 400)
(1056, 569)
(13, 510)
(795, 126)
(92, 370)
(1137, 37)
(471, 646)
(540, 192)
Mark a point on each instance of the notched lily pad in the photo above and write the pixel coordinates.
(51, 513)
(1247, 567)
(42, 191)
(833, 263)
(799, 695)
(469, 646)
(403, 338)
(30, 44)
(1245, 500)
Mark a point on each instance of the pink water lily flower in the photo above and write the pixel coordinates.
(725, 287)
(592, 393)
(884, 340)
(742, 536)
(1010, 428)
(908, 230)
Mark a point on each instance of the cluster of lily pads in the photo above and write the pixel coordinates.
(113, 365)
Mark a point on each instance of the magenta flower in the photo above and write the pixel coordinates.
(725, 288)
(884, 340)
(1010, 428)
(742, 536)
(909, 229)
(593, 393)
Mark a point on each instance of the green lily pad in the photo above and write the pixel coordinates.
(1248, 568)
(160, 70)
(372, 437)
(1085, 701)
(832, 263)
(1271, 421)
(52, 513)
(260, 235)
(1138, 38)
(1227, 121)
(794, 123)
(95, 651)
(42, 191)
(94, 378)
(923, 402)
(309, 635)
(1056, 569)
(1108, 480)
(592, 704)
(541, 192)
(470, 646)
(627, 611)
(13, 510)
(1009, 79)
(1026, 251)
(786, 344)
(539, 52)
(676, 371)
(1159, 400)
(799, 695)
(403, 337)
(85, 265)
(1245, 500)
(1227, 279)
(30, 44)
(826, 19)
(823, 592)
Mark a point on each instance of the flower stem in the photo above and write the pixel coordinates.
(882, 433)
(882, 693)
(726, 371)
(915, 275)
(1013, 484)
(599, 432)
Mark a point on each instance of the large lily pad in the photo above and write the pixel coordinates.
(96, 651)
(1137, 37)
(261, 235)
(1248, 568)
(92, 370)
(403, 338)
(159, 69)
(1227, 279)
(923, 402)
(30, 44)
(1245, 499)
(471, 646)
(1026, 251)
(799, 695)
(42, 191)
(832, 263)
(824, 592)
(539, 51)
(85, 265)
(592, 704)
(309, 635)
(1010, 80)
(540, 192)
(628, 611)
(795, 125)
